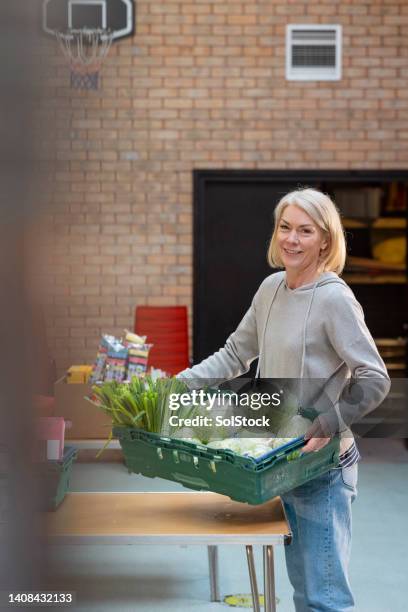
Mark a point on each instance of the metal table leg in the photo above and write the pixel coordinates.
(269, 579)
(213, 567)
(252, 578)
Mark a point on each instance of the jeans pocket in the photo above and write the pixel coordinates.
(349, 477)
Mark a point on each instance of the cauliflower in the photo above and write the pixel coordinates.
(248, 447)
(295, 428)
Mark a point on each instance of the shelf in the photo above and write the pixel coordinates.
(390, 223)
(380, 223)
(399, 342)
(399, 365)
(357, 265)
(92, 444)
(380, 279)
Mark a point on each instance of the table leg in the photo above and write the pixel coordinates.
(269, 579)
(213, 567)
(252, 578)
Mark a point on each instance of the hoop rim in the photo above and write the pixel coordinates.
(85, 49)
(71, 33)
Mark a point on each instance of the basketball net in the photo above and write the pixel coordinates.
(85, 50)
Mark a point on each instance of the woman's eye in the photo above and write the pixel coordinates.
(284, 227)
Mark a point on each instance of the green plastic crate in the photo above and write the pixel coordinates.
(243, 479)
(55, 476)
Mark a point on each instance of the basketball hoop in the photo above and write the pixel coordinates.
(85, 50)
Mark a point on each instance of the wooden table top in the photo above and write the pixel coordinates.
(182, 518)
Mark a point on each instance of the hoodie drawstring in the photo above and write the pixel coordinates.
(264, 329)
(302, 365)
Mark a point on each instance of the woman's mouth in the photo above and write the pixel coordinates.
(292, 251)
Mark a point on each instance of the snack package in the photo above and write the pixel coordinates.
(98, 369)
(132, 338)
(116, 362)
(120, 360)
(138, 355)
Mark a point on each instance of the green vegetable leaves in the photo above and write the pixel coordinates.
(142, 403)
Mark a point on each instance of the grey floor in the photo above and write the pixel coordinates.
(157, 578)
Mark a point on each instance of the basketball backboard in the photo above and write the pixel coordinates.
(116, 16)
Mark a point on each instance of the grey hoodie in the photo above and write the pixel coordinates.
(316, 332)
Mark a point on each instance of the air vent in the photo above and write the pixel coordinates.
(313, 52)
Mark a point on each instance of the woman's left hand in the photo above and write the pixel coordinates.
(317, 436)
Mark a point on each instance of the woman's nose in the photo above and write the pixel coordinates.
(292, 236)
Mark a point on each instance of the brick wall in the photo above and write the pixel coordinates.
(201, 85)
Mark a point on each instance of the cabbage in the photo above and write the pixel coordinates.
(295, 428)
(233, 444)
(259, 450)
(248, 447)
(277, 442)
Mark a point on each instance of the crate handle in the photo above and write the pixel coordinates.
(213, 467)
(160, 453)
(195, 462)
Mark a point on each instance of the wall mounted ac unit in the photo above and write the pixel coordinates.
(313, 52)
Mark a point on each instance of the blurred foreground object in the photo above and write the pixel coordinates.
(21, 552)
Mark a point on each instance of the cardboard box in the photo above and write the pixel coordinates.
(87, 420)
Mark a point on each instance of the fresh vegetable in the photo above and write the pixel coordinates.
(296, 427)
(249, 447)
(280, 441)
(142, 403)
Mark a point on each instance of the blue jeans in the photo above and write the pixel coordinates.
(319, 514)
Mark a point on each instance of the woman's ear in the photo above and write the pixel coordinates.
(324, 246)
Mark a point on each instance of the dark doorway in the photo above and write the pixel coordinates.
(233, 223)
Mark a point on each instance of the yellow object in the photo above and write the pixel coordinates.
(392, 250)
(134, 338)
(78, 374)
(243, 601)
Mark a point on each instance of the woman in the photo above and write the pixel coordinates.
(305, 323)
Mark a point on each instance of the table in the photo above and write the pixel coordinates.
(181, 518)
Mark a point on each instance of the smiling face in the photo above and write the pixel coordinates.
(300, 241)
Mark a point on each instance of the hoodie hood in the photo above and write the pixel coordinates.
(324, 279)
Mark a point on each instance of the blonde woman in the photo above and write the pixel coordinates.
(304, 322)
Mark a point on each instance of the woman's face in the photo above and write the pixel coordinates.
(300, 240)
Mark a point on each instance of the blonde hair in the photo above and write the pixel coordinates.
(324, 213)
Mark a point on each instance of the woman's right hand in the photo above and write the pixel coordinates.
(317, 436)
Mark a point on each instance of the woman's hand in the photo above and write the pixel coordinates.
(317, 436)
